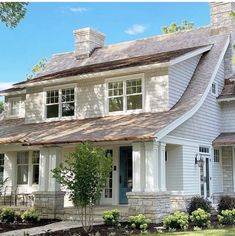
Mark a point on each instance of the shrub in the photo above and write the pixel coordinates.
(7, 215)
(227, 217)
(198, 202)
(226, 203)
(200, 218)
(179, 220)
(139, 222)
(30, 215)
(111, 217)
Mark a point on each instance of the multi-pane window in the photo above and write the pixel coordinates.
(214, 88)
(14, 107)
(60, 103)
(125, 95)
(216, 155)
(22, 167)
(35, 166)
(1, 167)
(67, 102)
(205, 150)
(108, 190)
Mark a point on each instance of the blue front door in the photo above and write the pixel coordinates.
(125, 178)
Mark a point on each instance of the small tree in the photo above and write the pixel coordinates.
(185, 25)
(85, 173)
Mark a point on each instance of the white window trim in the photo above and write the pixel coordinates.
(60, 87)
(220, 156)
(205, 153)
(9, 102)
(124, 79)
(216, 89)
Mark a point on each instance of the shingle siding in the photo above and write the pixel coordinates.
(180, 75)
(205, 125)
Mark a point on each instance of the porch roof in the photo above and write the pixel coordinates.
(225, 139)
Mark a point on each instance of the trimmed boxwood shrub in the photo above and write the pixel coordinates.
(7, 215)
(30, 215)
(200, 218)
(111, 217)
(198, 202)
(179, 220)
(226, 203)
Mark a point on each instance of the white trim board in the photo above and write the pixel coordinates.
(159, 135)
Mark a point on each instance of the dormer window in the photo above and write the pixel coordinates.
(125, 95)
(60, 103)
(14, 107)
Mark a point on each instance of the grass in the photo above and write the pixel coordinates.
(209, 232)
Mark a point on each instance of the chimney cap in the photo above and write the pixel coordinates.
(88, 30)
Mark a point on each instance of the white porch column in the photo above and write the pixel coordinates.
(162, 166)
(10, 169)
(43, 169)
(138, 168)
(55, 154)
(152, 167)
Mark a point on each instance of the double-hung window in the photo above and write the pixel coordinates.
(125, 95)
(14, 106)
(22, 167)
(60, 103)
(1, 167)
(35, 166)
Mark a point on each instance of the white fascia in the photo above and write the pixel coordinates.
(188, 55)
(162, 133)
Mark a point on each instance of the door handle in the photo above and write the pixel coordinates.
(120, 179)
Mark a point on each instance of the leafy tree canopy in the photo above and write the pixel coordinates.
(185, 25)
(36, 68)
(11, 13)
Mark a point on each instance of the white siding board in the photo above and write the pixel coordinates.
(174, 167)
(217, 179)
(205, 125)
(180, 75)
(228, 114)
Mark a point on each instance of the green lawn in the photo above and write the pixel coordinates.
(209, 232)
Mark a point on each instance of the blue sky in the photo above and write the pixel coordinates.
(48, 28)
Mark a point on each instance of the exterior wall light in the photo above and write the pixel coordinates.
(199, 160)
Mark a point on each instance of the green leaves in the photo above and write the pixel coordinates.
(84, 174)
(12, 12)
(36, 68)
(185, 25)
(1, 107)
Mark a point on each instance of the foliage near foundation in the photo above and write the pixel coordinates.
(111, 217)
(30, 215)
(139, 222)
(179, 220)
(85, 173)
(7, 215)
(198, 202)
(227, 217)
(200, 218)
(226, 203)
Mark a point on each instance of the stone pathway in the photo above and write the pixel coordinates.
(62, 225)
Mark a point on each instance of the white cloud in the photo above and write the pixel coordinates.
(5, 85)
(136, 29)
(78, 9)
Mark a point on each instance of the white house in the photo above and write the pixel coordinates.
(164, 106)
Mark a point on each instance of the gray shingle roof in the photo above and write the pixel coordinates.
(225, 139)
(133, 127)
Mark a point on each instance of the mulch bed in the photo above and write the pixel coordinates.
(5, 227)
(104, 230)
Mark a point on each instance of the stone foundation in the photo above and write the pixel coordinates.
(153, 205)
(180, 202)
(47, 203)
(216, 196)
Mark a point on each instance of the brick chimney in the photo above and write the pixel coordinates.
(220, 17)
(86, 41)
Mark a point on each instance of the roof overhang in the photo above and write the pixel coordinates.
(225, 139)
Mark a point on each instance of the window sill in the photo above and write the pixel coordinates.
(60, 119)
(115, 113)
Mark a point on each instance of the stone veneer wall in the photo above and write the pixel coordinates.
(227, 164)
(153, 205)
(180, 202)
(48, 203)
